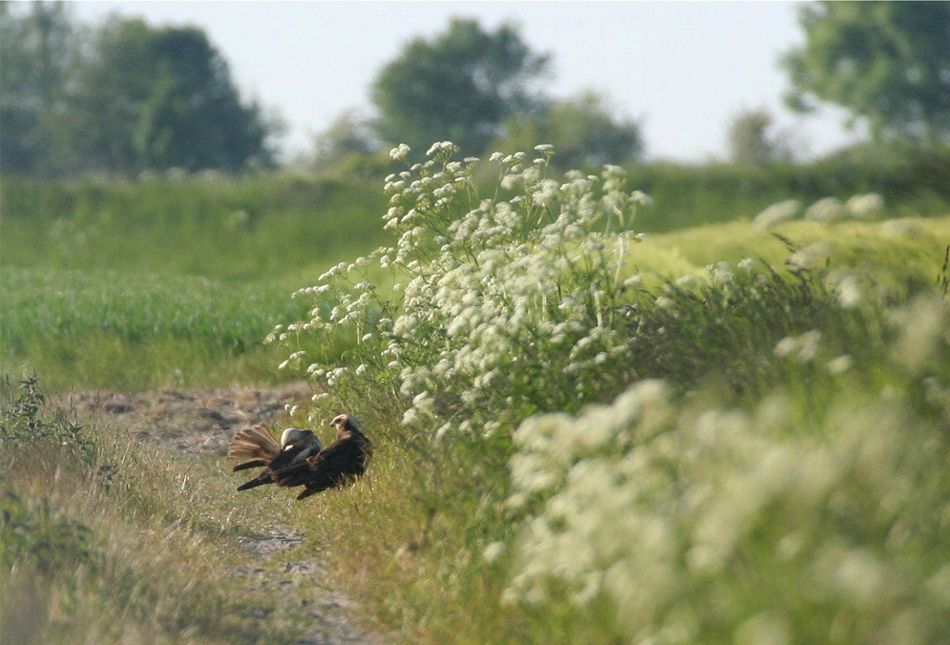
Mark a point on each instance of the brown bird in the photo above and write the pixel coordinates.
(337, 464)
(259, 445)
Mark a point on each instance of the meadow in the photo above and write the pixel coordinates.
(734, 428)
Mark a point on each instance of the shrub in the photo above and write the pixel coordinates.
(705, 521)
(772, 466)
(509, 305)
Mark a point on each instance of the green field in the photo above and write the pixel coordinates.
(715, 434)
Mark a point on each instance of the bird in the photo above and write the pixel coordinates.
(336, 465)
(258, 445)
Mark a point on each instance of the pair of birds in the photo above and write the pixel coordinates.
(300, 458)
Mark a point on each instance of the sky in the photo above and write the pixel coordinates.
(682, 69)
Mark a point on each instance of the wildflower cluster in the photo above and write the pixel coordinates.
(498, 301)
(705, 523)
(829, 209)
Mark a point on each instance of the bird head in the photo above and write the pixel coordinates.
(293, 437)
(345, 424)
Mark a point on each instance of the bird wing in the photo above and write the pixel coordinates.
(292, 455)
(328, 467)
(348, 463)
(256, 444)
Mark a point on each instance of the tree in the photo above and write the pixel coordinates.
(38, 54)
(132, 98)
(159, 98)
(752, 142)
(583, 130)
(460, 86)
(888, 62)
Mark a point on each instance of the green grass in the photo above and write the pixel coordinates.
(158, 284)
(248, 229)
(109, 540)
(98, 329)
(889, 259)
(274, 223)
(433, 507)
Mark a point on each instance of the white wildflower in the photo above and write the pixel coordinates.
(850, 291)
(777, 213)
(493, 551)
(840, 365)
(865, 207)
(641, 198)
(825, 210)
(902, 227)
(804, 347)
(812, 256)
(400, 152)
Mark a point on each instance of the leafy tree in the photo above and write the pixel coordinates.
(159, 98)
(460, 86)
(583, 130)
(888, 62)
(38, 54)
(752, 141)
(132, 98)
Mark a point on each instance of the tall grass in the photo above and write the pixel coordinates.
(714, 434)
(106, 540)
(210, 226)
(268, 224)
(768, 439)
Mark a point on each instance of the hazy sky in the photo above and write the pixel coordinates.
(684, 69)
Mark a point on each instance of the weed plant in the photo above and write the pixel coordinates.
(537, 281)
(713, 435)
(754, 452)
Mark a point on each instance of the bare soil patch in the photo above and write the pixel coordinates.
(198, 423)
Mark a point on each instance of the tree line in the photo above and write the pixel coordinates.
(126, 97)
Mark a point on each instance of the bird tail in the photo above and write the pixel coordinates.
(307, 492)
(256, 463)
(260, 480)
(255, 444)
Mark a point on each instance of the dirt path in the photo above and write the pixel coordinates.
(201, 424)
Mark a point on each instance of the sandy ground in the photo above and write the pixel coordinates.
(201, 424)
